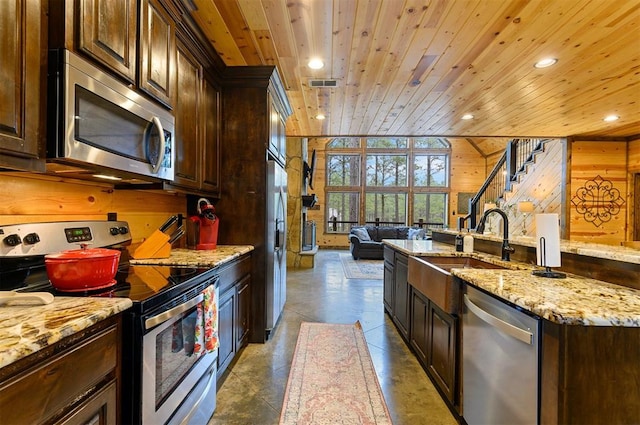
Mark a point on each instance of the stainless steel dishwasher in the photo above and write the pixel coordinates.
(500, 362)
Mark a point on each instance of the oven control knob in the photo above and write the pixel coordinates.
(124, 230)
(31, 239)
(114, 231)
(12, 240)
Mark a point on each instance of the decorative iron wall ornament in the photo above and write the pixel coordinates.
(597, 201)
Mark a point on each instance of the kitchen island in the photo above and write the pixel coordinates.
(590, 329)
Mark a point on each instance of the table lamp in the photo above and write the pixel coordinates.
(526, 208)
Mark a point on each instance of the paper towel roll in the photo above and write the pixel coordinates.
(548, 240)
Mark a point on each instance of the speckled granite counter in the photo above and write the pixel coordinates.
(607, 252)
(422, 248)
(575, 300)
(27, 328)
(192, 258)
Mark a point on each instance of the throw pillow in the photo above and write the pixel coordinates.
(361, 233)
(416, 233)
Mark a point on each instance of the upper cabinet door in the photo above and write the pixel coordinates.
(157, 51)
(187, 129)
(211, 142)
(22, 61)
(108, 34)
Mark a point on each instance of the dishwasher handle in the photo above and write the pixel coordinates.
(507, 328)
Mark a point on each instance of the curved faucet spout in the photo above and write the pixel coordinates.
(506, 248)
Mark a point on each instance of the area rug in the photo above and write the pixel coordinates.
(332, 379)
(361, 269)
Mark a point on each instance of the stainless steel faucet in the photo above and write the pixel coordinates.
(506, 248)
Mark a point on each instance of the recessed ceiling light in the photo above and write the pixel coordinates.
(610, 118)
(316, 64)
(467, 117)
(544, 63)
(320, 117)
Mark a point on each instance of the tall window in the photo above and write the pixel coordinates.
(396, 180)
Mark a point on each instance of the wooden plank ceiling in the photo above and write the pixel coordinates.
(415, 67)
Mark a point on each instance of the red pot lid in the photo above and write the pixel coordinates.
(77, 254)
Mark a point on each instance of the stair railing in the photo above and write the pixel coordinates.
(518, 153)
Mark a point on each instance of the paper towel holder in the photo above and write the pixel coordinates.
(547, 272)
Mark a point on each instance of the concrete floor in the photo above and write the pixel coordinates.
(253, 390)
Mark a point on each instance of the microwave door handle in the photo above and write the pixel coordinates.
(156, 123)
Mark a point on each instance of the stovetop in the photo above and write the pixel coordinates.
(22, 267)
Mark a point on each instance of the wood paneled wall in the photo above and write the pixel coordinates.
(30, 198)
(591, 161)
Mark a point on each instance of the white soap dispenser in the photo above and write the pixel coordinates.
(467, 243)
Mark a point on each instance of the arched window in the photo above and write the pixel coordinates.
(391, 180)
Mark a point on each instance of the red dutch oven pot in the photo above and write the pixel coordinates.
(82, 269)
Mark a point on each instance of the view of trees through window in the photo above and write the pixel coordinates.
(393, 180)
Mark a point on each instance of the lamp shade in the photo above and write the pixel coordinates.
(488, 206)
(525, 206)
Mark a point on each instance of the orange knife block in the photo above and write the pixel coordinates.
(155, 246)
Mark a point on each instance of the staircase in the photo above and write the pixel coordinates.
(519, 155)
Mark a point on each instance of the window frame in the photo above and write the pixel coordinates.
(409, 190)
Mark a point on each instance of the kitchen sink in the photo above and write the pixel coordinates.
(432, 277)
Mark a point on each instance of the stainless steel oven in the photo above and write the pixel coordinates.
(165, 378)
(178, 384)
(97, 123)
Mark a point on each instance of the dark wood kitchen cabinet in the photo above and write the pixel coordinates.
(248, 96)
(388, 282)
(401, 295)
(76, 380)
(23, 43)
(442, 352)
(188, 147)
(233, 310)
(197, 126)
(157, 58)
(107, 32)
(434, 337)
(396, 289)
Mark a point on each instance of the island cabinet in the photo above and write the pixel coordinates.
(388, 282)
(589, 374)
(233, 310)
(23, 65)
(434, 339)
(76, 380)
(396, 289)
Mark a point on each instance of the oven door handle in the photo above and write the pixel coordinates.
(196, 405)
(166, 315)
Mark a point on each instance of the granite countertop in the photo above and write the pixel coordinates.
(587, 249)
(575, 300)
(193, 258)
(27, 328)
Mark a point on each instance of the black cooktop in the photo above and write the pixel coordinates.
(143, 284)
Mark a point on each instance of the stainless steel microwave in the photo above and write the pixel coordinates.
(97, 123)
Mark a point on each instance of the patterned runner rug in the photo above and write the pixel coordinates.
(361, 269)
(332, 379)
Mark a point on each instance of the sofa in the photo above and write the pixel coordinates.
(365, 242)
